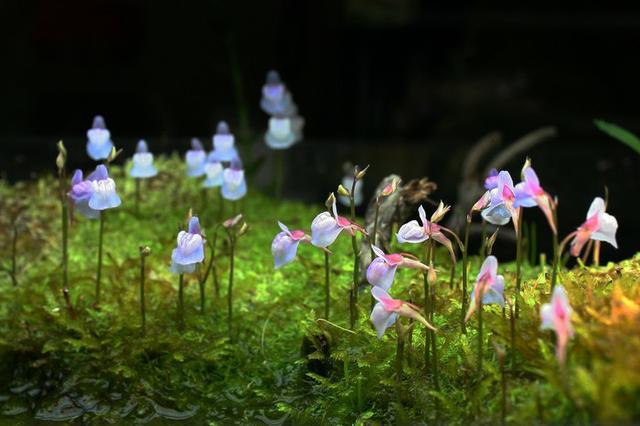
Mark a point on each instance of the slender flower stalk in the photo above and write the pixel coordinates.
(556, 250)
(518, 265)
(233, 233)
(399, 351)
(353, 299)
(181, 302)
(279, 172)
(137, 207)
(62, 177)
(465, 272)
(99, 268)
(144, 252)
(327, 286)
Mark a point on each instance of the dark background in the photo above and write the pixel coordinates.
(408, 86)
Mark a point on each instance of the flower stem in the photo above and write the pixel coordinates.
(99, 270)
(503, 386)
(181, 303)
(327, 286)
(480, 339)
(353, 295)
(399, 353)
(434, 339)
(232, 247)
(556, 252)
(143, 311)
(427, 309)
(465, 277)
(138, 196)
(518, 264)
(279, 172)
(14, 247)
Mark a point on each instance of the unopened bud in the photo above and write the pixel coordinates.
(432, 275)
(62, 149)
(113, 154)
(491, 241)
(233, 221)
(145, 251)
(243, 229)
(189, 215)
(439, 213)
(390, 188)
(360, 174)
(343, 191)
(60, 160)
(527, 163)
(331, 200)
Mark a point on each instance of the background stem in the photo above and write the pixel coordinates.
(232, 246)
(181, 303)
(143, 311)
(99, 271)
(327, 286)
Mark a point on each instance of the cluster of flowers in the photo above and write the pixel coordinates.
(221, 167)
(285, 125)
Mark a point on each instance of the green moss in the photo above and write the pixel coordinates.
(285, 365)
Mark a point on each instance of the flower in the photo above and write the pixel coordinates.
(223, 144)
(491, 181)
(276, 99)
(414, 233)
(489, 286)
(103, 188)
(189, 249)
(599, 226)
(99, 143)
(386, 311)
(213, 170)
(557, 316)
(347, 182)
(325, 228)
(382, 269)
(501, 207)
(195, 158)
(285, 245)
(234, 185)
(81, 191)
(143, 162)
(529, 193)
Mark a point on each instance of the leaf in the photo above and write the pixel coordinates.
(617, 132)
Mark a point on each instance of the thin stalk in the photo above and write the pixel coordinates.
(427, 310)
(434, 338)
(138, 180)
(67, 299)
(480, 339)
(503, 386)
(374, 239)
(65, 232)
(556, 252)
(399, 353)
(234, 208)
(181, 303)
(596, 253)
(353, 295)
(14, 263)
(220, 205)
(279, 172)
(483, 239)
(143, 311)
(518, 264)
(465, 277)
(202, 296)
(232, 247)
(327, 286)
(99, 270)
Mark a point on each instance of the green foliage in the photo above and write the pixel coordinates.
(285, 366)
(619, 133)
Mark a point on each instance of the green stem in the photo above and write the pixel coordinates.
(138, 180)
(556, 252)
(427, 309)
(480, 339)
(14, 263)
(220, 205)
(65, 244)
(279, 172)
(465, 277)
(434, 341)
(202, 296)
(353, 295)
(327, 286)
(143, 312)
(181, 303)
(399, 354)
(232, 247)
(99, 271)
(518, 264)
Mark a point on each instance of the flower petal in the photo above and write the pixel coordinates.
(380, 274)
(412, 232)
(324, 230)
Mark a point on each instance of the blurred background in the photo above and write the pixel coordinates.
(407, 86)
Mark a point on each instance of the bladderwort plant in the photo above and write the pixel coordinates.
(189, 252)
(142, 168)
(325, 228)
(209, 270)
(235, 227)
(61, 161)
(145, 251)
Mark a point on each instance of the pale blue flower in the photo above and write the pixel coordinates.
(99, 143)
(143, 162)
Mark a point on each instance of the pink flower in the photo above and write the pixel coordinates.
(529, 193)
(285, 245)
(325, 228)
(415, 233)
(386, 311)
(501, 209)
(382, 269)
(489, 286)
(599, 226)
(557, 316)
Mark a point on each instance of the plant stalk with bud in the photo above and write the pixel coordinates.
(144, 252)
(235, 228)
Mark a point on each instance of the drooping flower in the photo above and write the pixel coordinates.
(325, 227)
(143, 162)
(382, 269)
(529, 193)
(80, 193)
(99, 143)
(416, 233)
(489, 286)
(104, 195)
(285, 245)
(386, 311)
(189, 250)
(599, 226)
(276, 99)
(501, 208)
(195, 159)
(234, 185)
(347, 182)
(557, 316)
(223, 144)
(213, 171)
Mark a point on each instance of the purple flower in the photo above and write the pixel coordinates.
(276, 99)
(99, 143)
(415, 233)
(556, 316)
(489, 286)
(382, 269)
(81, 191)
(223, 144)
(189, 250)
(491, 181)
(386, 311)
(325, 228)
(285, 245)
(234, 185)
(195, 159)
(501, 208)
(96, 193)
(529, 193)
(143, 162)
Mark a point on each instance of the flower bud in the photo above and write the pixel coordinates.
(360, 174)
(440, 212)
(343, 191)
(390, 188)
(331, 200)
(491, 241)
(145, 251)
(243, 229)
(233, 221)
(113, 154)
(527, 163)
(60, 160)
(432, 275)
